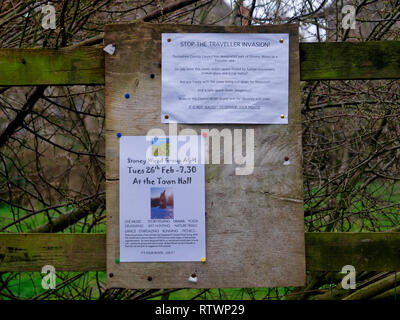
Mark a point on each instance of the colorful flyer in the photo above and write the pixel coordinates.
(162, 199)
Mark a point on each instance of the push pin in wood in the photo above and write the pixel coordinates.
(193, 278)
(119, 134)
(110, 49)
(127, 95)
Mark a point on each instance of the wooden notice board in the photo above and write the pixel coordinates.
(254, 223)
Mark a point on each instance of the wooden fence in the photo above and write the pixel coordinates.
(85, 66)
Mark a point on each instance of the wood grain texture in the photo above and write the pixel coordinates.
(350, 60)
(318, 61)
(66, 252)
(329, 251)
(255, 228)
(24, 67)
(87, 252)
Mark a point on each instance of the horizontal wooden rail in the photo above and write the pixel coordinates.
(66, 252)
(350, 60)
(87, 252)
(22, 67)
(318, 61)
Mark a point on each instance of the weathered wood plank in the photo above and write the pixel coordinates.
(66, 252)
(378, 251)
(318, 61)
(87, 252)
(350, 60)
(22, 67)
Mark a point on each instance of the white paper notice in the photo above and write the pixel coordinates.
(162, 199)
(225, 78)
